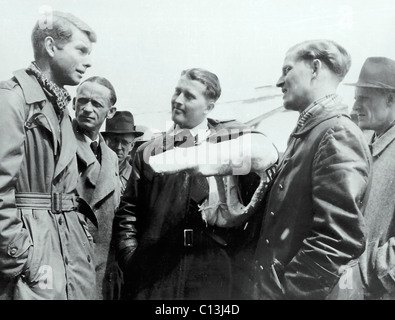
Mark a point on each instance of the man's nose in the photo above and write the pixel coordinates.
(355, 106)
(179, 99)
(118, 145)
(280, 82)
(88, 107)
(87, 61)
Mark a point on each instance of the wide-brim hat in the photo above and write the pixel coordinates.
(122, 122)
(377, 72)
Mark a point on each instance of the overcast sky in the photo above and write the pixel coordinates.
(143, 45)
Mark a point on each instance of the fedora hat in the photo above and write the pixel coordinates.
(377, 72)
(122, 122)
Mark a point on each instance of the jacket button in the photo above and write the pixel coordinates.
(13, 251)
(281, 186)
(89, 258)
(66, 260)
(272, 213)
(267, 241)
(60, 220)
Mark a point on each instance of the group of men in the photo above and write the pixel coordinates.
(206, 210)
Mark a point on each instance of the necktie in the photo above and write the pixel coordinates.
(95, 147)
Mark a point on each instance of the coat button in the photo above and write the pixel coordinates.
(60, 220)
(272, 213)
(267, 241)
(89, 258)
(13, 251)
(281, 186)
(66, 260)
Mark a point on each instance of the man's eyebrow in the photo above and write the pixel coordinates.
(189, 93)
(360, 96)
(90, 99)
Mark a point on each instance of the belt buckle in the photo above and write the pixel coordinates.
(56, 202)
(188, 237)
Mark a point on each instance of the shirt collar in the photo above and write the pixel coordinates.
(202, 131)
(89, 140)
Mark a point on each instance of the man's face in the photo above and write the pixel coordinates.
(71, 59)
(121, 144)
(295, 83)
(92, 106)
(371, 109)
(189, 103)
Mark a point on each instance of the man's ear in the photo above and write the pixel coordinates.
(390, 99)
(50, 46)
(111, 113)
(316, 66)
(210, 107)
(74, 103)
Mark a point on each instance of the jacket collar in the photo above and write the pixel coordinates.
(100, 176)
(335, 107)
(34, 93)
(379, 145)
(32, 90)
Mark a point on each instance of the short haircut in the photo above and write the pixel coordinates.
(333, 55)
(209, 79)
(104, 82)
(60, 30)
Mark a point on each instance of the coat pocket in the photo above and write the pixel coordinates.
(30, 267)
(85, 227)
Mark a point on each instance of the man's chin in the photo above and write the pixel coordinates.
(290, 106)
(177, 120)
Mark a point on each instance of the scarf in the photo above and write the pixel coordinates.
(61, 96)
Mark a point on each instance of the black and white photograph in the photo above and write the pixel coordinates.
(197, 154)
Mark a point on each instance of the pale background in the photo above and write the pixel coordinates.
(143, 45)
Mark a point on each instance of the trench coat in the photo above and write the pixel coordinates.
(313, 229)
(99, 186)
(378, 261)
(150, 235)
(44, 254)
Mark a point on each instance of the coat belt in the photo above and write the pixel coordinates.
(56, 202)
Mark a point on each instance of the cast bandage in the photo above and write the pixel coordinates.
(209, 159)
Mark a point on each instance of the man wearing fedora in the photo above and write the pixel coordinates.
(375, 110)
(98, 182)
(120, 134)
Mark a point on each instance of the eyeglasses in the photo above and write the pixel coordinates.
(115, 141)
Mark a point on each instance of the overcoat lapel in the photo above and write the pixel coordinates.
(68, 146)
(107, 175)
